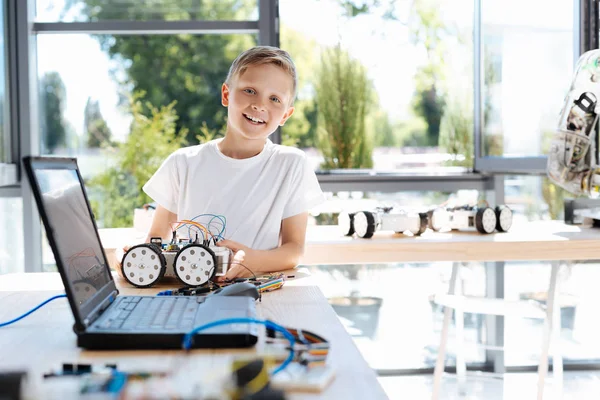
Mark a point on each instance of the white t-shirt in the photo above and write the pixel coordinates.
(254, 194)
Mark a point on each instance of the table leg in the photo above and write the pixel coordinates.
(439, 365)
(461, 365)
(549, 328)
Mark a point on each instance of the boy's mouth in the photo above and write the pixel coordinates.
(254, 120)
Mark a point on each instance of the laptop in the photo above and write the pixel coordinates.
(105, 320)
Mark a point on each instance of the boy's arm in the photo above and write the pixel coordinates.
(286, 256)
(161, 224)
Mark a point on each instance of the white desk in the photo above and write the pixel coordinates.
(45, 338)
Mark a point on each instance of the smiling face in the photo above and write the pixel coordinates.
(258, 101)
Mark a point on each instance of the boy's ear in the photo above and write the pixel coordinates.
(287, 114)
(225, 95)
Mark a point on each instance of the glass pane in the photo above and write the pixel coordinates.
(578, 301)
(5, 144)
(404, 70)
(534, 198)
(389, 311)
(106, 100)
(132, 10)
(527, 62)
(11, 236)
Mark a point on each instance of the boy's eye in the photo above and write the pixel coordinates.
(249, 91)
(275, 99)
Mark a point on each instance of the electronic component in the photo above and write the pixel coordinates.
(366, 223)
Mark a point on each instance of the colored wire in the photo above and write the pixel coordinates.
(188, 338)
(221, 218)
(3, 324)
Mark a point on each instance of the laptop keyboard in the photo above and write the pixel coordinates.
(149, 313)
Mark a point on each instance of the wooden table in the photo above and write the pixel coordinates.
(45, 338)
(539, 241)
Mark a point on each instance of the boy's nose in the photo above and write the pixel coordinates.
(257, 107)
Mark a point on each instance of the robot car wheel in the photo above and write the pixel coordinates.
(504, 216)
(364, 224)
(143, 265)
(195, 265)
(485, 220)
(346, 223)
(423, 221)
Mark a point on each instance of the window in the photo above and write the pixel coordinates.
(528, 56)
(88, 103)
(389, 311)
(403, 71)
(11, 240)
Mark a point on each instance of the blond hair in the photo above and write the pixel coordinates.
(259, 55)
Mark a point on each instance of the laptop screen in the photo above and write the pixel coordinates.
(73, 230)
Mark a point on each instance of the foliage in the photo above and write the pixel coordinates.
(53, 98)
(456, 130)
(300, 130)
(412, 132)
(186, 68)
(96, 130)
(152, 139)
(427, 28)
(382, 130)
(343, 95)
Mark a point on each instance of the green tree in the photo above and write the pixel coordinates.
(186, 68)
(383, 131)
(343, 96)
(53, 97)
(96, 132)
(456, 130)
(300, 130)
(117, 191)
(427, 29)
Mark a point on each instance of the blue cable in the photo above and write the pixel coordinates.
(3, 324)
(187, 339)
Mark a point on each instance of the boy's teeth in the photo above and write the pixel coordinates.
(254, 119)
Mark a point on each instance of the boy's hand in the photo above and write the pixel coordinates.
(239, 267)
(119, 253)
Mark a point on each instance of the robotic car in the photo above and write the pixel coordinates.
(193, 263)
(366, 223)
(484, 219)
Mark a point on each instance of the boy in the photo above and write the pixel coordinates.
(264, 190)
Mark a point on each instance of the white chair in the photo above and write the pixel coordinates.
(455, 300)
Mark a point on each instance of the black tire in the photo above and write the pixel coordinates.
(481, 224)
(506, 214)
(370, 218)
(161, 258)
(204, 248)
(430, 220)
(424, 220)
(349, 230)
